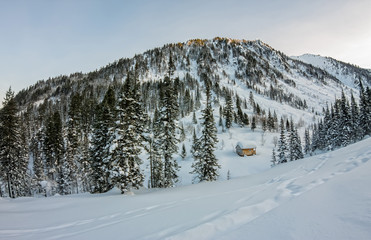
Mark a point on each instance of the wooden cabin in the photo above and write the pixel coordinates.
(245, 149)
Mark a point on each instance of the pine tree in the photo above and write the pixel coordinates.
(73, 147)
(155, 157)
(205, 164)
(270, 121)
(228, 111)
(125, 169)
(167, 139)
(253, 123)
(183, 154)
(345, 122)
(101, 142)
(307, 147)
(296, 151)
(364, 111)
(10, 146)
(62, 175)
(38, 165)
(195, 147)
(251, 99)
(282, 147)
(182, 133)
(354, 113)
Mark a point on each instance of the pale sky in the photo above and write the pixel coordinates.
(42, 39)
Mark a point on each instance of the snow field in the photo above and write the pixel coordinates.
(321, 197)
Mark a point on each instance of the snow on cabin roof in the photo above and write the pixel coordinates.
(244, 145)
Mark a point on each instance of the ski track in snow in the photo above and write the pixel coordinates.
(286, 190)
(275, 191)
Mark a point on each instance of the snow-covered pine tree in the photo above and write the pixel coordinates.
(368, 126)
(205, 164)
(10, 144)
(327, 124)
(38, 164)
(101, 143)
(62, 174)
(334, 130)
(253, 123)
(167, 138)
(295, 147)
(183, 154)
(53, 149)
(154, 150)
(298, 149)
(182, 136)
(364, 110)
(125, 169)
(282, 146)
(73, 143)
(354, 114)
(270, 121)
(23, 178)
(307, 146)
(195, 146)
(345, 127)
(228, 111)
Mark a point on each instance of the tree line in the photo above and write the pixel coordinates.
(344, 122)
(70, 151)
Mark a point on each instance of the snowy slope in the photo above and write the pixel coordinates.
(348, 74)
(321, 197)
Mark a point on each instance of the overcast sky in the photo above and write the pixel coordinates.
(42, 39)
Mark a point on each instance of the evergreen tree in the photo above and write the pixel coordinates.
(183, 154)
(10, 146)
(155, 157)
(345, 122)
(182, 133)
(101, 142)
(296, 151)
(253, 123)
(205, 164)
(354, 113)
(125, 169)
(282, 147)
(228, 111)
(270, 121)
(195, 147)
(167, 139)
(54, 151)
(365, 111)
(307, 148)
(63, 171)
(73, 146)
(38, 165)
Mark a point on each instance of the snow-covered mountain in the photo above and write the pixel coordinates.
(262, 83)
(278, 84)
(237, 65)
(321, 197)
(348, 74)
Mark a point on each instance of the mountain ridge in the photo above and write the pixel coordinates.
(254, 63)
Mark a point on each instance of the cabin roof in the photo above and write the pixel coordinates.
(245, 145)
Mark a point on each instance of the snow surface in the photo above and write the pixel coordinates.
(331, 66)
(322, 197)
